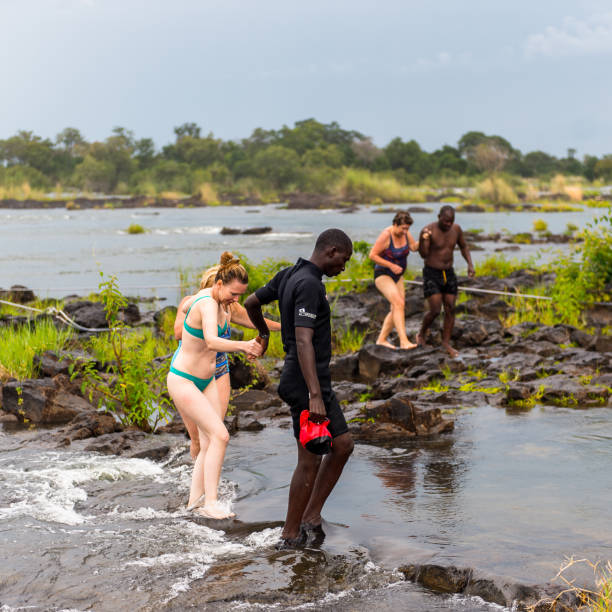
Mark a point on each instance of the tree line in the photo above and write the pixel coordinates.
(310, 156)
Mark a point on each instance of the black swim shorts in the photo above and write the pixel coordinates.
(439, 281)
(382, 271)
(293, 390)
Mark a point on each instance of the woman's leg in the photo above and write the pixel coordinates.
(386, 285)
(401, 289)
(203, 409)
(385, 330)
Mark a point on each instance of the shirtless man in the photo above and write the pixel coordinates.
(436, 245)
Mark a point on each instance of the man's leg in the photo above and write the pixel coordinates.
(434, 303)
(449, 322)
(300, 491)
(327, 477)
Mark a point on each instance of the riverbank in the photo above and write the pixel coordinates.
(446, 488)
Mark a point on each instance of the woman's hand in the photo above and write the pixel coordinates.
(252, 348)
(396, 269)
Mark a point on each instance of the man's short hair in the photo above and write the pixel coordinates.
(334, 238)
(446, 209)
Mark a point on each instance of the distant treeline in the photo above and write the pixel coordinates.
(309, 157)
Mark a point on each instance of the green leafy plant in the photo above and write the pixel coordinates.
(135, 228)
(132, 385)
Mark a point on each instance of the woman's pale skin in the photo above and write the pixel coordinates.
(237, 314)
(204, 408)
(394, 292)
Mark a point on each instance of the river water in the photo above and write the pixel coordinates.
(512, 494)
(57, 252)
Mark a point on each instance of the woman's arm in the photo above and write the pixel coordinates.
(208, 310)
(181, 313)
(414, 245)
(241, 317)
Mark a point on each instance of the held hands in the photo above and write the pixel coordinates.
(252, 348)
(426, 235)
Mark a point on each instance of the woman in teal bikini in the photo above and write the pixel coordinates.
(238, 315)
(191, 380)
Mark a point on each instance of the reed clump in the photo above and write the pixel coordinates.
(496, 191)
(135, 228)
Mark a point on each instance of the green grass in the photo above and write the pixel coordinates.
(149, 345)
(435, 386)
(135, 228)
(365, 186)
(18, 346)
(347, 340)
(41, 304)
(500, 266)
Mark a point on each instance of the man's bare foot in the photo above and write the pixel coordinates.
(408, 346)
(194, 449)
(450, 350)
(421, 340)
(385, 343)
(214, 510)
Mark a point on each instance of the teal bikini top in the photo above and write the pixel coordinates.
(199, 333)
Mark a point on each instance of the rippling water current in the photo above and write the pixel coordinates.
(510, 494)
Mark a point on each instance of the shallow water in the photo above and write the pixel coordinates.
(508, 493)
(56, 252)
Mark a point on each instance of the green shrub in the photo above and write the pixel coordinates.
(133, 386)
(539, 225)
(135, 228)
(495, 190)
(500, 266)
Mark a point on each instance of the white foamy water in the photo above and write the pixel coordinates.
(51, 493)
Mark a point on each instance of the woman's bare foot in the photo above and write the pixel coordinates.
(385, 343)
(196, 504)
(214, 510)
(450, 350)
(194, 448)
(408, 346)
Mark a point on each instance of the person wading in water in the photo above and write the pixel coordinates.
(305, 382)
(437, 242)
(389, 253)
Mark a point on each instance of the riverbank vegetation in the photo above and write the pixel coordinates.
(310, 157)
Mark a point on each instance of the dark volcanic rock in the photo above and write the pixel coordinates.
(42, 401)
(344, 367)
(86, 313)
(374, 359)
(247, 421)
(400, 411)
(116, 443)
(254, 399)
(556, 335)
(88, 425)
(18, 294)
(245, 373)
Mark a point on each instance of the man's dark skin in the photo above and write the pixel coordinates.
(436, 245)
(314, 477)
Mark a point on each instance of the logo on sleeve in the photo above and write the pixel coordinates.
(303, 313)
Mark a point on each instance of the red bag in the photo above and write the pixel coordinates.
(314, 437)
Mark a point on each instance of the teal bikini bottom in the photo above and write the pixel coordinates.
(200, 383)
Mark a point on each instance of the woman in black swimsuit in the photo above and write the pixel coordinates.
(389, 253)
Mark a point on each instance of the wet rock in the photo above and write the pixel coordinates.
(18, 294)
(555, 335)
(583, 339)
(247, 421)
(229, 231)
(42, 401)
(86, 313)
(472, 331)
(439, 578)
(88, 425)
(374, 359)
(155, 453)
(521, 330)
(400, 411)
(116, 443)
(130, 314)
(257, 230)
(253, 399)
(603, 344)
(344, 367)
(348, 392)
(231, 422)
(50, 364)
(244, 373)
(176, 426)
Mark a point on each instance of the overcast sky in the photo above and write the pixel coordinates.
(538, 72)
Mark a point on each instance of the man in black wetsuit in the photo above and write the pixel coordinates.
(305, 382)
(436, 245)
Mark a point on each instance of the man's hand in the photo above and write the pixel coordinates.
(316, 408)
(426, 235)
(263, 343)
(471, 271)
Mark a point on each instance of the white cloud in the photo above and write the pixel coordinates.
(591, 36)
